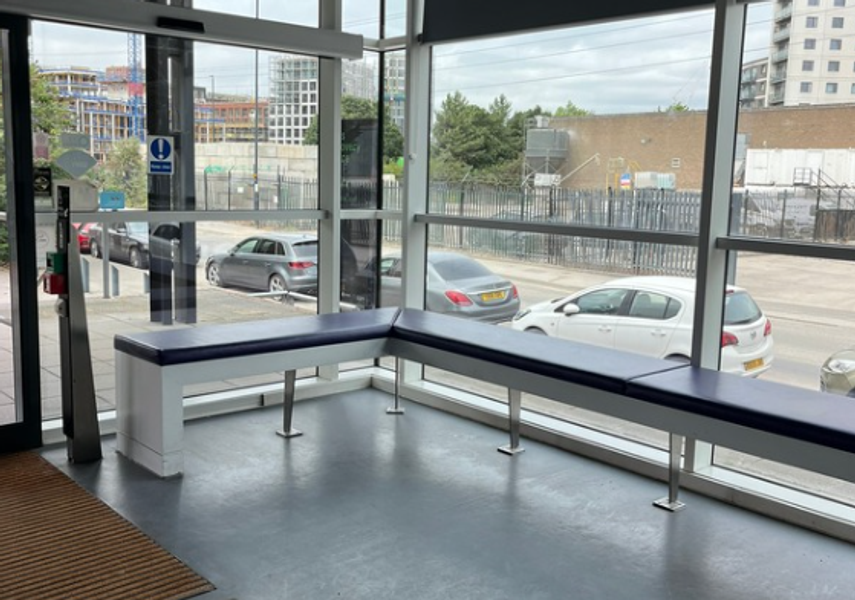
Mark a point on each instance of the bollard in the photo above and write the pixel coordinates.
(84, 274)
(146, 283)
(114, 277)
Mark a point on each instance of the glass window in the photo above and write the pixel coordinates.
(646, 305)
(813, 3)
(835, 44)
(833, 66)
(810, 43)
(839, 2)
(837, 22)
(830, 88)
(601, 302)
(805, 87)
(852, 89)
(811, 22)
(807, 65)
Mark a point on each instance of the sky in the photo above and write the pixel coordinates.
(637, 65)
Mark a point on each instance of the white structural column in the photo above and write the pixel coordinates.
(416, 151)
(716, 198)
(329, 174)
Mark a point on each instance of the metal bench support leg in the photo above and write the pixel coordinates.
(514, 407)
(288, 406)
(675, 454)
(397, 409)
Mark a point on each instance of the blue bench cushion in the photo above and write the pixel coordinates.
(796, 413)
(592, 366)
(211, 342)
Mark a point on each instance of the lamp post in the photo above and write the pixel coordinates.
(255, 192)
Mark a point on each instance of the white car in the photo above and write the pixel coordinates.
(654, 316)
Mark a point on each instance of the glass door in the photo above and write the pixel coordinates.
(20, 397)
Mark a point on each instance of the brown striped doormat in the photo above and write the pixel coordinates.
(57, 541)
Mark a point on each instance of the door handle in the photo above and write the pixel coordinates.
(605, 328)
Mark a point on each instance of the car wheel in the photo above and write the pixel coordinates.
(277, 284)
(213, 274)
(535, 330)
(94, 250)
(136, 258)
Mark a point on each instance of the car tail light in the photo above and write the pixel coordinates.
(296, 264)
(728, 339)
(514, 291)
(767, 330)
(458, 298)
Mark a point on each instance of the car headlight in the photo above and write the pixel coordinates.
(840, 366)
(521, 314)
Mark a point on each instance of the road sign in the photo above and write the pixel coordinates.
(75, 162)
(160, 155)
(111, 200)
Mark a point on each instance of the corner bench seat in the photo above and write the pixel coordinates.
(462, 341)
(232, 340)
(799, 427)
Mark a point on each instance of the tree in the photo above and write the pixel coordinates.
(676, 106)
(125, 171)
(51, 116)
(353, 107)
(571, 110)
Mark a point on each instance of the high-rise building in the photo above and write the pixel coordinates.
(294, 93)
(393, 93)
(812, 54)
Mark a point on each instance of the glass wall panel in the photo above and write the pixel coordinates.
(362, 17)
(794, 167)
(809, 303)
(300, 12)
(596, 125)
(395, 18)
(8, 411)
(250, 112)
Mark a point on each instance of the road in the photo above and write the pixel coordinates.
(808, 326)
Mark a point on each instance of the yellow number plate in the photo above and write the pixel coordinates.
(487, 296)
(754, 364)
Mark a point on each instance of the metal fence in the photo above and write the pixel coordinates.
(800, 214)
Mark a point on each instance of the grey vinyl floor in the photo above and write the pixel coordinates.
(421, 507)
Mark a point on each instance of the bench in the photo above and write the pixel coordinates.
(799, 427)
(152, 369)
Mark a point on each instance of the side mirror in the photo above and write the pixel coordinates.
(571, 309)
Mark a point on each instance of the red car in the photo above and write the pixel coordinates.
(83, 236)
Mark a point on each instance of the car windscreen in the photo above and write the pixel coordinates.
(454, 269)
(305, 249)
(739, 308)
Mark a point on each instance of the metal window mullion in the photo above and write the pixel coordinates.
(329, 174)
(719, 154)
(416, 152)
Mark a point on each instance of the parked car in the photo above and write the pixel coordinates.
(269, 261)
(130, 242)
(83, 236)
(837, 375)
(456, 285)
(654, 316)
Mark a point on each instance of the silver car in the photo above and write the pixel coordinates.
(837, 375)
(456, 285)
(271, 261)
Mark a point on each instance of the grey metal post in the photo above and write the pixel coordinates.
(84, 273)
(514, 409)
(397, 409)
(114, 280)
(288, 406)
(675, 451)
(719, 153)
